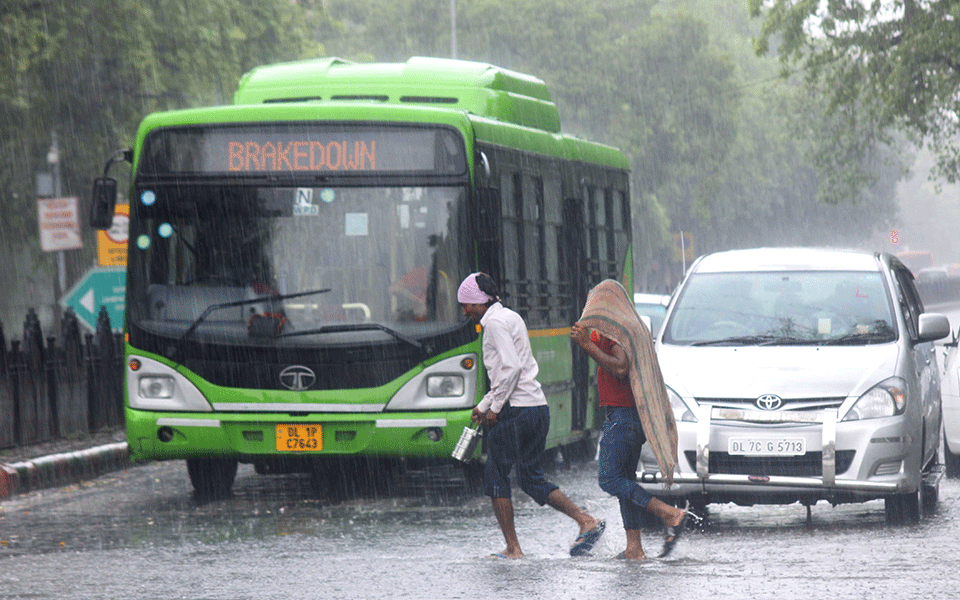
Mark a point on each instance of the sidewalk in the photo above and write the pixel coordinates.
(61, 462)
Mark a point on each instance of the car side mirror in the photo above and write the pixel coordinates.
(103, 202)
(933, 326)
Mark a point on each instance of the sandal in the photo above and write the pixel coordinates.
(672, 534)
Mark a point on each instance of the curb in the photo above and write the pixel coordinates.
(62, 469)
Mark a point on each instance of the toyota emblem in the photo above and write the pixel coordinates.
(769, 402)
(297, 378)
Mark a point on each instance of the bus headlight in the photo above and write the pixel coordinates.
(156, 386)
(152, 385)
(444, 386)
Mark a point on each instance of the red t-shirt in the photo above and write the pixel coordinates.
(613, 391)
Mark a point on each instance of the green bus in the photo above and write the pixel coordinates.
(294, 259)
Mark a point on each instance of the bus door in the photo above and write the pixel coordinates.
(575, 260)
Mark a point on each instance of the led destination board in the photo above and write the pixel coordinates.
(299, 149)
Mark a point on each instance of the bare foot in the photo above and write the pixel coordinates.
(629, 554)
(588, 525)
(675, 518)
(508, 554)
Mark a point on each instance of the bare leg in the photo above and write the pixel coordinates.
(634, 549)
(503, 509)
(670, 515)
(559, 501)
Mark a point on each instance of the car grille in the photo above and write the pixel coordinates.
(808, 465)
(788, 403)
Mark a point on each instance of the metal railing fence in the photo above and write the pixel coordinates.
(59, 387)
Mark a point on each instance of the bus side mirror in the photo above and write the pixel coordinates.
(103, 202)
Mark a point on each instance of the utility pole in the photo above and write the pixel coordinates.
(453, 28)
(53, 159)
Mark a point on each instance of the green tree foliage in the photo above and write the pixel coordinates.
(882, 65)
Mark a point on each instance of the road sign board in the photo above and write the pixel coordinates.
(112, 244)
(99, 287)
(59, 224)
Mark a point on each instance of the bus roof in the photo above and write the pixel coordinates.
(472, 87)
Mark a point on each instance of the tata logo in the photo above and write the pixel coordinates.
(769, 402)
(297, 378)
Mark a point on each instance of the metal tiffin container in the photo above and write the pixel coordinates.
(467, 443)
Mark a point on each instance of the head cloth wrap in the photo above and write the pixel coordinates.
(470, 292)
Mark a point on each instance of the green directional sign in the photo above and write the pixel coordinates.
(99, 287)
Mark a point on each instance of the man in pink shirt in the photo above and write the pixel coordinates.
(517, 416)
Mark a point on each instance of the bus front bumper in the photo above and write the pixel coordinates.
(163, 436)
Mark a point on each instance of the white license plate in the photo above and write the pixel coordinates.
(762, 446)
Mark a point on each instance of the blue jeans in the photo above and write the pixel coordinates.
(518, 440)
(619, 455)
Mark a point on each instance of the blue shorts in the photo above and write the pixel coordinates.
(518, 440)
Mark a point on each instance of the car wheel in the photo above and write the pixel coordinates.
(930, 493)
(929, 496)
(903, 508)
(212, 477)
(951, 461)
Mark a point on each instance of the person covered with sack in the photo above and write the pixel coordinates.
(627, 370)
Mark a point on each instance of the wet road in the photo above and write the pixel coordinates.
(141, 534)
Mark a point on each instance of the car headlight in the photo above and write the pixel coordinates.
(681, 411)
(156, 386)
(445, 386)
(886, 399)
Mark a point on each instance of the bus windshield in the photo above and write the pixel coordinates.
(381, 262)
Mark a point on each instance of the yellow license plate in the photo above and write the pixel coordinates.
(299, 438)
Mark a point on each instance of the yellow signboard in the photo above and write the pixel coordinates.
(112, 243)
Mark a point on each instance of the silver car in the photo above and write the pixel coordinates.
(652, 308)
(951, 408)
(800, 375)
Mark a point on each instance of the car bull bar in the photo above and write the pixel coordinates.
(827, 419)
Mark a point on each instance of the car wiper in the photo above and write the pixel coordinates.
(790, 341)
(258, 300)
(859, 338)
(357, 327)
(762, 339)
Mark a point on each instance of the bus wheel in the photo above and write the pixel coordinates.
(581, 451)
(212, 477)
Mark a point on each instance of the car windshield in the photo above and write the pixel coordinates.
(326, 262)
(655, 311)
(782, 308)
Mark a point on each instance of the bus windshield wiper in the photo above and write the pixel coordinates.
(259, 299)
(358, 327)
